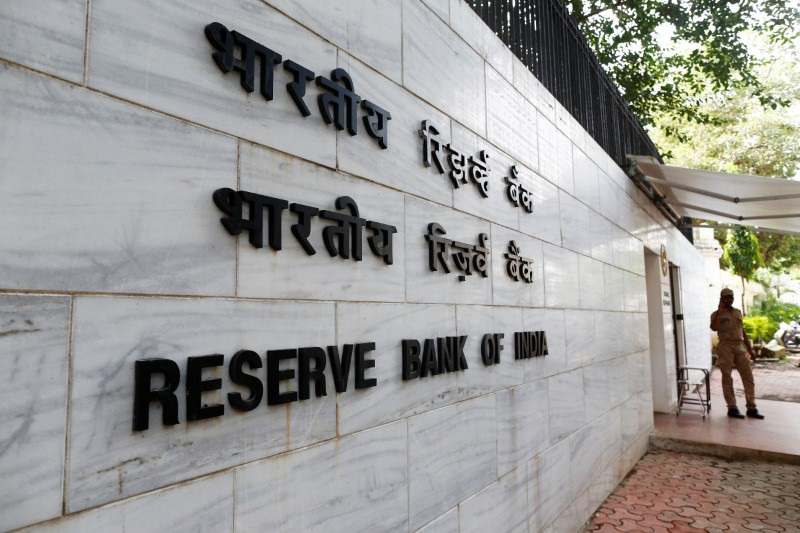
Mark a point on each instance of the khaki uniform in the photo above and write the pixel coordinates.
(732, 352)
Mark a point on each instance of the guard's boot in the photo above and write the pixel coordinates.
(753, 413)
(734, 412)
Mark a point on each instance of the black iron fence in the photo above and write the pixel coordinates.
(544, 37)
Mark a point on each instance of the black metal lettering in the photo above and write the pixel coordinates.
(411, 361)
(487, 349)
(142, 395)
(239, 377)
(342, 99)
(275, 375)
(196, 385)
(340, 368)
(462, 359)
(222, 40)
(246, 65)
(428, 359)
(302, 229)
(305, 374)
(447, 361)
(345, 236)
(362, 364)
(297, 88)
(377, 122)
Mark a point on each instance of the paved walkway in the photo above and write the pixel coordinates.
(683, 492)
(728, 488)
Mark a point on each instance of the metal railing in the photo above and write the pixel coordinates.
(544, 37)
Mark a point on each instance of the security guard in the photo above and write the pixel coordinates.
(734, 345)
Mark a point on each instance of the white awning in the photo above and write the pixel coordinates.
(767, 204)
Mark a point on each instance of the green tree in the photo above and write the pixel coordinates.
(662, 54)
(741, 255)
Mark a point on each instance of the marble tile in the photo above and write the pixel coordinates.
(502, 506)
(447, 523)
(591, 283)
(614, 288)
(593, 448)
(613, 335)
(545, 222)
(34, 349)
(581, 344)
(548, 149)
(367, 29)
(575, 230)
(469, 26)
(549, 490)
(560, 273)
(511, 120)
(586, 179)
(630, 422)
(452, 454)
(564, 167)
(291, 272)
(600, 383)
(400, 166)
(622, 249)
(388, 325)
(357, 482)
(609, 198)
(204, 505)
(456, 82)
(533, 90)
(45, 36)
(109, 461)
(565, 393)
(602, 232)
(477, 321)
(426, 286)
(573, 517)
(601, 487)
(155, 54)
(505, 289)
(127, 198)
(440, 7)
(522, 424)
(631, 290)
(496, 207)
(551, 321)
(645, 399)
(597, 154)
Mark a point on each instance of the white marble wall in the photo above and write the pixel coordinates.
(118, 126)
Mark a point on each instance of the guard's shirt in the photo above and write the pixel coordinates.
(730, 324)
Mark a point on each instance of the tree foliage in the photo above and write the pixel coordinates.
(741, 255)
(663, 54)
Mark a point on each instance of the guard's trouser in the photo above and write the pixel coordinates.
(732, 354)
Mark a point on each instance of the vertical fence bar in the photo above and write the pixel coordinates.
(543, 36)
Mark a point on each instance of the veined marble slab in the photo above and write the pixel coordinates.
(549, 488)
(368, 29)
(108, 461)
(565, 393)
(586, 179)
(388, 325)
(602, 233)
(593, 448)
(44, 35)
(156, 54)
(533, 90)
(291, 272)
(511, 120)
(400, 166)
(447, 523)
(204, 505)
(452, 454)
(502, 506)
(560, 273)
(581, 345)
(122, 198)
(591, 282)
(355, 483)
(575, 230)
(454, 82)
(522, 424)
(549, 160)
(426, 286)
(34, 342)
